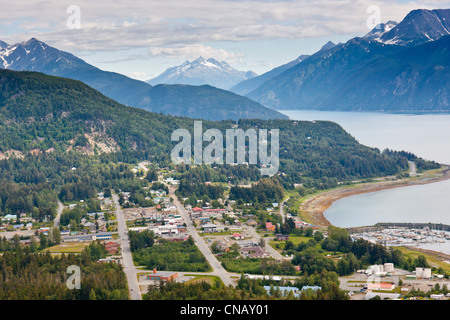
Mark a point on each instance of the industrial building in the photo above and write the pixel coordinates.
(162, 276)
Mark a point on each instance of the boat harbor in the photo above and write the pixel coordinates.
(425, 236)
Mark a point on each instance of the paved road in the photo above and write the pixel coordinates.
(412, 169)
(218, 269)
(127, 259)
(283, 216)
(274, 253)
(58, 213)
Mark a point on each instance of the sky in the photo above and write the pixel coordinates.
(142, 38)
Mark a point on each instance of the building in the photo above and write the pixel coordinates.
(382, 295)
(254, 252)
(423, 273)
(313, 288)
(384, 286)
(112, 247)
(238, 236)
(168, 229)
(209, 228)
(87, 237)
(270, 226)
(247, 243)
(180, 238)
(162, 276)
(284, 290)
(262, 277)
(282, 237)
(10, 217)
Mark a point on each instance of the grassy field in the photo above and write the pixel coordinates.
(296, 240)
(208, 279)
(68, 247)
(432, 259)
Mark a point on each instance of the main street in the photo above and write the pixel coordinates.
(127, 259)
(218, 269)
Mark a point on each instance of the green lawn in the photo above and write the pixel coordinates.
(68, 247)
(296, 240)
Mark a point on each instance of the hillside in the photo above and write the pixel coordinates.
(247, 86)
(43, 114)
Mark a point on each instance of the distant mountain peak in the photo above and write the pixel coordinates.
(418, 27)
(328, 45)
(203, 71)
(3, 45)
(376, 33)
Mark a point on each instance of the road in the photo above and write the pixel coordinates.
(218, 269)
(274, 253)
(58, 213)
(127, 259)
(283, 216)
(412, 169)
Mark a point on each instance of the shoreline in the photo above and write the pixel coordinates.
(313, 208)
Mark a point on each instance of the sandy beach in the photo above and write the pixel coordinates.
(312, 209)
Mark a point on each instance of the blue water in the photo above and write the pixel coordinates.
(427, 136)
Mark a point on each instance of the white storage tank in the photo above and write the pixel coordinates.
(389, 267)
(419, 273)
(426, 273)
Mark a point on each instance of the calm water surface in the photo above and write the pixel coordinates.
(427, 136)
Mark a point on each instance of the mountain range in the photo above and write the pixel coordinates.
(400, 67)
(203, 71)
(203, 102)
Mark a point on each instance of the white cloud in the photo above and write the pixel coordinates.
(108, 25)
(194, 51)
(189, 28)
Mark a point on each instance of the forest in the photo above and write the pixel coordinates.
(56, 131)
(166, 255)
(40, 276)
(250, 289)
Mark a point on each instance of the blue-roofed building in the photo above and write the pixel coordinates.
(285, 290)
(314, 288)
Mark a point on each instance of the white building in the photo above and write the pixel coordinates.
(423, 273)
(389, 267)
(167, 229)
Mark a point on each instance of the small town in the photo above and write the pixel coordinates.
(225, 234)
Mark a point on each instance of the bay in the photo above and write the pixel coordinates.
(427, 136)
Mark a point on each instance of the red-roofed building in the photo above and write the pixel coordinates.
(238, 236)
(197, 209)
(112, 247)
(270, 226)
(381, 286)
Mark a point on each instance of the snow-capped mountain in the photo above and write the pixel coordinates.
(3, 44)
(203, 71)
(396, 67)
(380, 30)
(35, 55)
(203, 102)
(418, 27)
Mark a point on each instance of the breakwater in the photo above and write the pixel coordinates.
(407, 225)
